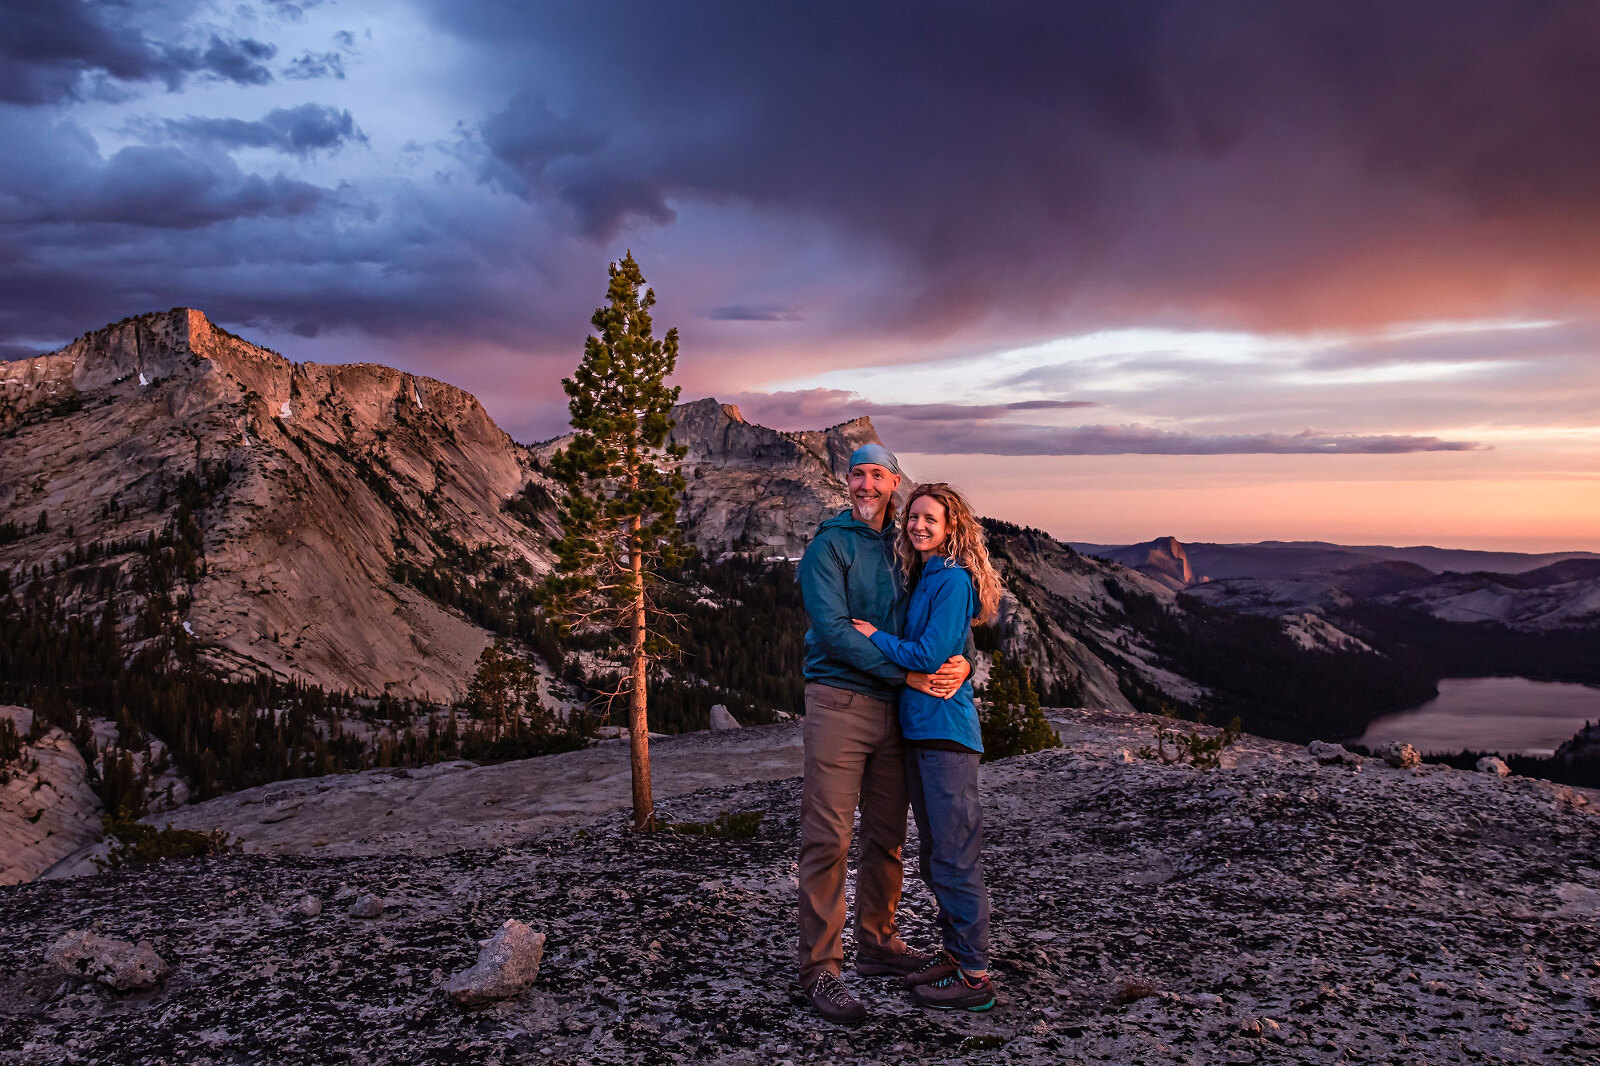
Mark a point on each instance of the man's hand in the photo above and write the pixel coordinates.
(941, 685)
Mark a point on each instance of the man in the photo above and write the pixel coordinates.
(853, 750)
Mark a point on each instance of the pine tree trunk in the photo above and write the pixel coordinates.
(644, 813)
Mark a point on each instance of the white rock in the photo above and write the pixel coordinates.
(722, 720)
(1493, 764)
(507, 963)
(111, 962)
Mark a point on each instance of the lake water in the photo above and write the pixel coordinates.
(1511, 715)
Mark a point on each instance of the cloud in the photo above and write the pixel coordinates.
(1283, 166)
(755, 313)
(807, 408)
(986, 429)
(66, 184)
(53, 50)
(312, 65)
(294, 130)
(241, 60)
(981, 439)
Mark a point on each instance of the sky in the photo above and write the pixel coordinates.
(1220, 270)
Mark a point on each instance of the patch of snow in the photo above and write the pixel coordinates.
(142, 379)
(284, 411)
(189, 629)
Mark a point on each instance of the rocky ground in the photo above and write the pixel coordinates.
(1273, 910)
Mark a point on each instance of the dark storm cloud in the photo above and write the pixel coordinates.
(293, 130)
(986, 429)
(86, 239)
(313, 65)
(1257, 161)
(51, 50)
(64, 182)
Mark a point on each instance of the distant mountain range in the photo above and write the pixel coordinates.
(1292, 558)
(1530, 592)
(234, 568)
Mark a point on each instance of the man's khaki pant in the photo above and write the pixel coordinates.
(853, 756)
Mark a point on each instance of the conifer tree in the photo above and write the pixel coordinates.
(619, 517)
(1013, 724)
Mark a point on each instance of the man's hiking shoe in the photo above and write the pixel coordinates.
(904, 964)
(956, 992)
(831, 999)
(936, 968)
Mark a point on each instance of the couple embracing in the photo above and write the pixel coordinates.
(889, 720)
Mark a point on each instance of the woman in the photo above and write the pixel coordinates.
(941, 549)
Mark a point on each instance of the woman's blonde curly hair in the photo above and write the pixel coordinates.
(963, 543)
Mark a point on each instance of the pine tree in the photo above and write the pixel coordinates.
(623, 489)
(1013, 724)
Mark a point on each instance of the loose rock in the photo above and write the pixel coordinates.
(507, 963)
(311, 906)
(366, 907)
(111, 962)
(1400, 755)
(1329, 754)
(1493, 764)
(722, 720)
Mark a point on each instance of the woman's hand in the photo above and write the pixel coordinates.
(943, 684)
(866, 629)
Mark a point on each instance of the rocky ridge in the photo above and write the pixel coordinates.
(1274, 910)
(757, 490)
(317, 478)
(1534, 593)
(48, 809)
(317, 482)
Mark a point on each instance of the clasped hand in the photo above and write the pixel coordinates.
(941, 684)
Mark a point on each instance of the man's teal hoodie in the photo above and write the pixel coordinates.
(850, 571)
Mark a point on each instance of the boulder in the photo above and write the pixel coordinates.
(1493, 764)
(117, 963)
(507, 963)
(311, 906)
(1399, 755)
(721, 720)
(367, 906)
(1329, 754)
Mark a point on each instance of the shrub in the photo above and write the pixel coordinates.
(10, 743)
(137, 844)
(1192, 748)
(729, 825)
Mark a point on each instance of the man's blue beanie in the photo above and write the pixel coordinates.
(875, 453)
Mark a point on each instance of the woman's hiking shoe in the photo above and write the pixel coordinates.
(903, 964)
(956, 992)
(831, 999)
(936, 968)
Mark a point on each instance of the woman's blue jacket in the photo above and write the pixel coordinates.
(938, 620)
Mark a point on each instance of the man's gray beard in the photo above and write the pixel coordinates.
(867, 516)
